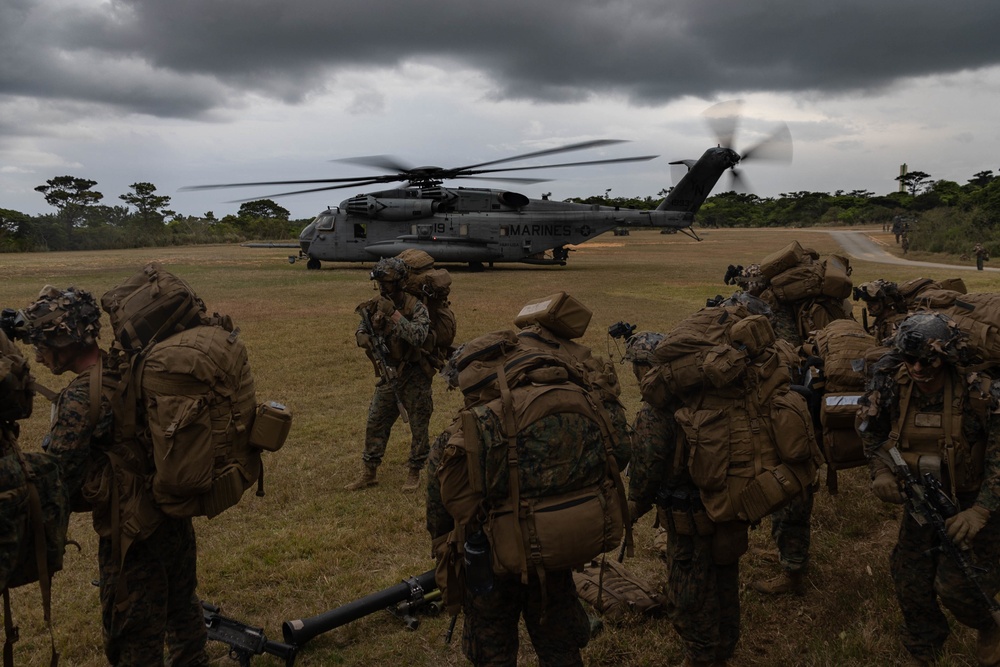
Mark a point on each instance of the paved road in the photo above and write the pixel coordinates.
(859, 246)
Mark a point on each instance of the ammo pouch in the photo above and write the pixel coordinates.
(729, 542)
(686, 522)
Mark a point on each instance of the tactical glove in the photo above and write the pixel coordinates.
(886, 489)
(364, 340)
(386, 306)
(965, 525)
(637, 509)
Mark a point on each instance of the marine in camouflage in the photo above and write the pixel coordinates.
(413, 384)
(63, 327)
(555, 619)
(921, 573)
(158, 581)
(702, 595)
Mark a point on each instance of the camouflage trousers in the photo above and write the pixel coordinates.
(921, 574)
(703, 598)
(557, 624)
(157, 601)
(791, 528)
(414, 389)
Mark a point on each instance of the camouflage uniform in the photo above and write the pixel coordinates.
(137, 613)
(413, 384)
(703, 601)
(920, 571)
(555, 620)
(981, 255)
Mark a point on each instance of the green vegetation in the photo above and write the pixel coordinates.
(949, 217)
(308, 546)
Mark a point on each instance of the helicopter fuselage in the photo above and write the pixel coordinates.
(465, 225)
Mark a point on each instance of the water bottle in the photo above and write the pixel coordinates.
(478, 564)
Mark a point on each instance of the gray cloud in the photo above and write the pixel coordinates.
(184, 58)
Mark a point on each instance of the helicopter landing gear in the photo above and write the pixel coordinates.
(313, 264)
(560, 253)
(476, 267)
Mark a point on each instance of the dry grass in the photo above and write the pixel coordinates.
(309, 546)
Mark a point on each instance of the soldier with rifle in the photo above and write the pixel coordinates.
(932, 432)
(393, 327)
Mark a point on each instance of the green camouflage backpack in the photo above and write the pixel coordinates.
(532, 457)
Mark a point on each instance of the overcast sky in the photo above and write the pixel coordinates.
(189, 92)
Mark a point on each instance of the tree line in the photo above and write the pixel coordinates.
(82, 222)
(946, 216)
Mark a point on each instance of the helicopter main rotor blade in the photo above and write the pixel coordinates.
(300, 192)
(500, 179)
(551, 151)
(638, 158)
(386, 162)
(356, 180)
(777, 146)
(723, 119)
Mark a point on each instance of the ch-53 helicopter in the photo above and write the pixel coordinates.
(486, 226)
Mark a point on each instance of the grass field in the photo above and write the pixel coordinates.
(308, 545)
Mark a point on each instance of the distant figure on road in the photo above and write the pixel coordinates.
(906, 242)
(981, 256)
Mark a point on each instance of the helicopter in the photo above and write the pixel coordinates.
(487, 226)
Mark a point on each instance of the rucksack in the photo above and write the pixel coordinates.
(531, 458)
(616, 592)
(433, 287)
(750, 440)
(34, 505)
(186, 397)
(844, 348)
(977, 314)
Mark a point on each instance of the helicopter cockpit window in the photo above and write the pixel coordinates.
(325, 223)
(360, 230)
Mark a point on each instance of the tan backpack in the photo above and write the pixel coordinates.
(433, 287)
(185, 384)
(977, 314)
(845, 350)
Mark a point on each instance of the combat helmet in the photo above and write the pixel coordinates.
(639, 348)
(389, 270)
(927, 335)
(62, 318)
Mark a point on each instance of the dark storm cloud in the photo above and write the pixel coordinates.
(186, 57)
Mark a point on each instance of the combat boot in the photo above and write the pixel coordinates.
(789, 581)
(366, 479)
(988, 647)
(412, 480)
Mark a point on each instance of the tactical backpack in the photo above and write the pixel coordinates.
(977, 314)
(615, 592)
(433, 287)
(531, 458)
(186, 398)
(749, 439)
(34, 506)
(839, 354)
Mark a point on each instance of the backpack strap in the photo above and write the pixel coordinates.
(608, 433)
(949, 422)
(514, 481)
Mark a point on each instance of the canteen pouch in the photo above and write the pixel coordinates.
(271, 425)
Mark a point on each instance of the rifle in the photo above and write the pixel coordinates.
(379, 353)
(929, 504)
(244, 641)
(402, 600)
